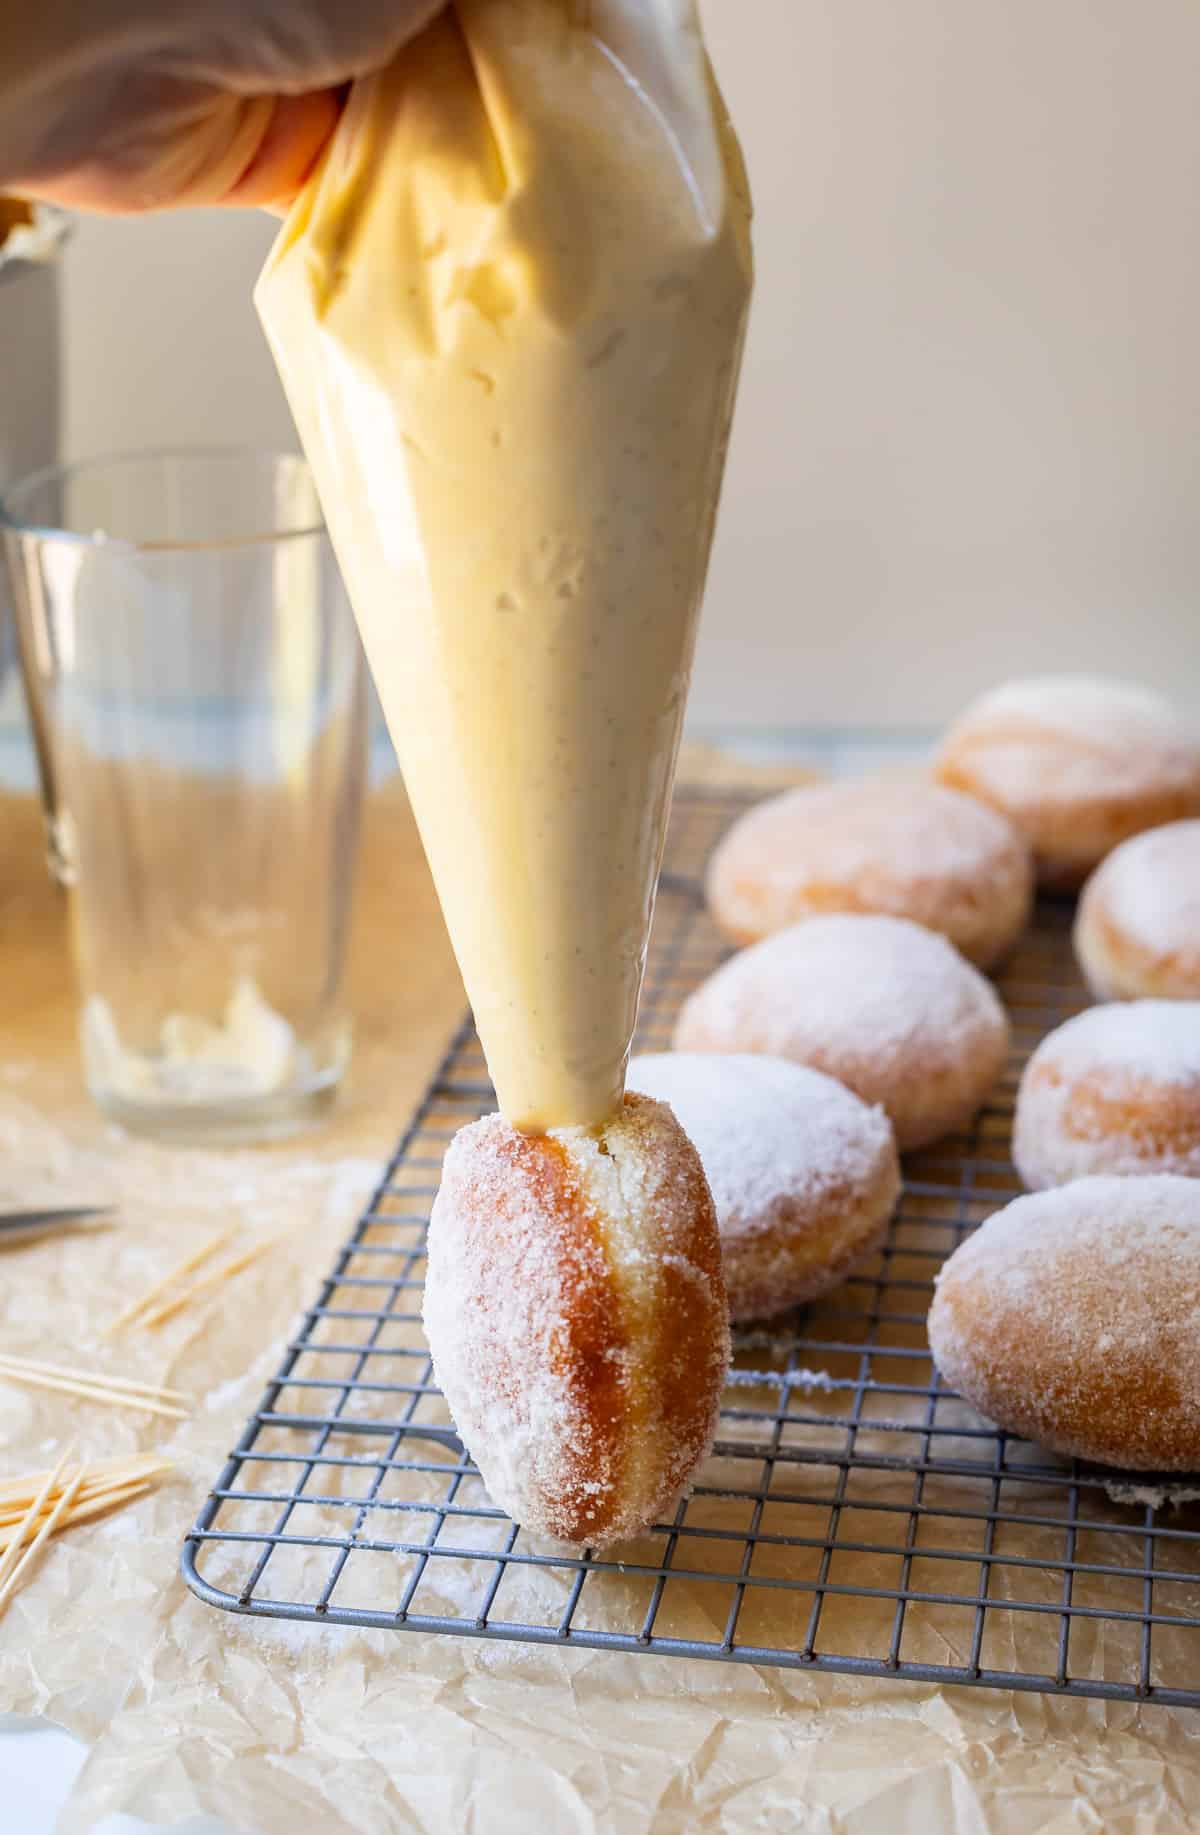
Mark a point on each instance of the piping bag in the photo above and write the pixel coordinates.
(508, 311)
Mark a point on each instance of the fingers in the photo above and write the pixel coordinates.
(294, 137)
(253, 152)
(235, 108)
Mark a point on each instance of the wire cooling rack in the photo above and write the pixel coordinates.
(853, 1516)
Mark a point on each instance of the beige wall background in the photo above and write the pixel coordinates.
(969, 431)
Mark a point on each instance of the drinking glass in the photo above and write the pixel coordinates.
(197, 695)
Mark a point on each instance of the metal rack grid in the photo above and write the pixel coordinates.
(853, 1516)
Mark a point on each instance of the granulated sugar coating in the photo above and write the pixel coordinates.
(804, 1175)
(1151, 887)
(1138, 927)
(907, 849)
(1100, 735)
(1080, 763)
(1114, 1090)
(577, 1317)
(889, 1009)
(1073, 1317)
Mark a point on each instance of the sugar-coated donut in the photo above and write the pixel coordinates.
(889, 1009)
(1137, 931)
(908, 848)
(803, 1174)
(1116, 1089)
(576, 1316)
(1070, 1318)
(1078, 763)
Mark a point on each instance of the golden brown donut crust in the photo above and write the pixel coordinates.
(1119, 959)
(1078, 765)
(885, 1007)
(795, 1257)
(1068, 839)
(903, 847)
(1069, 1318)
(576, 1315)
(1117, 967)
(804, 1175)
(1114, 1090)
(1147, 1123)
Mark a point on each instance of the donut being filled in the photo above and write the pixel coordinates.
(577, 1318)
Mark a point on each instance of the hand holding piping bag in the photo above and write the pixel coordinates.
(124, 106)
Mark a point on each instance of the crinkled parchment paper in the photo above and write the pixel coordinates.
(278, 1728)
